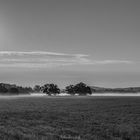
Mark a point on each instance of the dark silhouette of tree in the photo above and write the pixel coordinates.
(80, 88)
(13, 90)
(37, 88)
(70, 89)
(3, 89)
(88, 89)
(50, 89)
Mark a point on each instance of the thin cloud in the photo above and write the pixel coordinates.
(39, 59)
(20, 53)
(113, 62)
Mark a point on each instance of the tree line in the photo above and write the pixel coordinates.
(14, 89)
(53, 89)
(82, 89)
(49, 89)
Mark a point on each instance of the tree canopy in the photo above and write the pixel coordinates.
(70, 89)
(50, 89)
(13, 90)
(80, 88)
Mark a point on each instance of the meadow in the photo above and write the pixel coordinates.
(70, 118)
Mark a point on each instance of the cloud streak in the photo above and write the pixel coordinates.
(40, 59)
(112, 62)
(22, 53)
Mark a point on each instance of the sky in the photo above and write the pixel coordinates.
(69, 41)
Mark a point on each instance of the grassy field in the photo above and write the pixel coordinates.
(70, 118)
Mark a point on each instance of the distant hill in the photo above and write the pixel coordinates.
(115, 90)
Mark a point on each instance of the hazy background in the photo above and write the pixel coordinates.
(105, 32)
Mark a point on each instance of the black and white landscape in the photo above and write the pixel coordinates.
(69, 70)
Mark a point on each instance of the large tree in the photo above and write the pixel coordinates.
(51, 89)
(80, 88)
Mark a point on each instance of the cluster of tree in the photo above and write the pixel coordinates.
(14, 89)
(50, 89)
(82, 89)
(53, 89)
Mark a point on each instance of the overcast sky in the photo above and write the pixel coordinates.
(68, 41)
